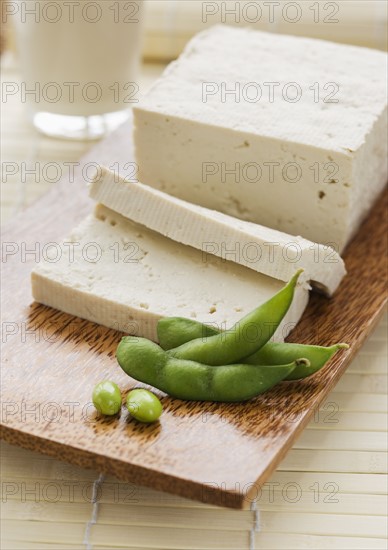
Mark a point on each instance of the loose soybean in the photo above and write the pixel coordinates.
(107, 397)
(144, 405)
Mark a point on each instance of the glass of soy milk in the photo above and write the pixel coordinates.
(79, 63)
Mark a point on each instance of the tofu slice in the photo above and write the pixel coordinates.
(264, 250)
(284, 131)
(122, 275)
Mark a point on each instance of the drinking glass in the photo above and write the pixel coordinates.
(79, 63)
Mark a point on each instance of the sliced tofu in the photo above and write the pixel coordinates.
(120, 274)
(264, 250)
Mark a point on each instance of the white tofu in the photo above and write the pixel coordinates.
(119, 274)
(201, 143)
(265, 250)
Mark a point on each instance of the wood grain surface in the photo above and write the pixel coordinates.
(215, 453)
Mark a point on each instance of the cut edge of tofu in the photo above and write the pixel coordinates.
(278, 254)
(131, 320)
(52, 286)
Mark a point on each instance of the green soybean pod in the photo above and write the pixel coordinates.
(146, 362)
(273, 352)
(144, 405)
(106, 397)
(179, 330)
(233, 344)
(175, 331)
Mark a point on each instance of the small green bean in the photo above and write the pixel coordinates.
(144, 405)
(145, 361)
(234, 344)
(175, 331)
(107, 397)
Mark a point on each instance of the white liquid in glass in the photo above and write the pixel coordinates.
(79, 63)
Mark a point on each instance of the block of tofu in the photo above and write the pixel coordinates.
(264, 250)
(117, 273)
(288, 132)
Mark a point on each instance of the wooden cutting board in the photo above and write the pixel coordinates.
(216, 453)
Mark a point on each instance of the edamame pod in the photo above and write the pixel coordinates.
(175, 331)
(273, 352)
(145, 361)
(245, 337)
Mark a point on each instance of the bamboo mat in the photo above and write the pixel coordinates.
(329, 492)
(169, 24)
